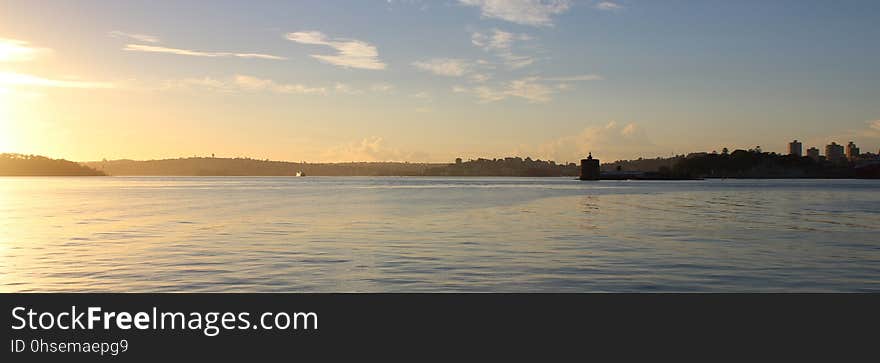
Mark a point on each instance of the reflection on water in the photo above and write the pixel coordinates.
(437, 234)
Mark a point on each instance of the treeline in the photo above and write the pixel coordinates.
(205, 166)
(757, 164)
(510, 166)
(744, 164)
(640, 164)
(35, 165)
(738, 164)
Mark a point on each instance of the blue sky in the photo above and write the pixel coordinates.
(432, 80)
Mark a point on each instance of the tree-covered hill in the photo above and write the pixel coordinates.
(35, 165)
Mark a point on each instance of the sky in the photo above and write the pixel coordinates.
(429, 81)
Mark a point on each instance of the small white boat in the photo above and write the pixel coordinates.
(300, 173)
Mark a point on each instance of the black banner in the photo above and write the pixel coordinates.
(175, 327)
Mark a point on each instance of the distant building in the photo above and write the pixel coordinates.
(795, 148)
(834, 152)
(590, 168)
(813, 153)
(852, 151)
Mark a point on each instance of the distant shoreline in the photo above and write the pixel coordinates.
(740, 164)
(431, 176)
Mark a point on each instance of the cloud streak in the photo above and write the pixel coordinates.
(20, 79)
(243, 83)
(350, 53)
(532, 89)
(525, 12)
(196, 53)
(12, 50)
(252, 84)
(528, 88)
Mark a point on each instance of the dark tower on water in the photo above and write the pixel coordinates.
(590, 168)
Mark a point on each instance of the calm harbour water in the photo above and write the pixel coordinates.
(317, 234)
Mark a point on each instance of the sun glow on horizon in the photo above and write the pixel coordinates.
(6, 144)
(16, 50)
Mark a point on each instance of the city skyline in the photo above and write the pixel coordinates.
(336, 82)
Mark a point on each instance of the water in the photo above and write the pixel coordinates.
(316, 234)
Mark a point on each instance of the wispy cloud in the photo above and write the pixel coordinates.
(529, 88)
(246, 83)
(612, 141)
(444, 66)
(12, 50)
(867, 134)
(872, 132)
(501, 44)
(608, 6)
(197, 83)
(452, 67)
(534, 89)
(139, 37)
(20, 79)
(370, 149)
(242, 83)
(350, 53)
(526, 12)
(497, 40)
(250, 83)
(195, 53)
